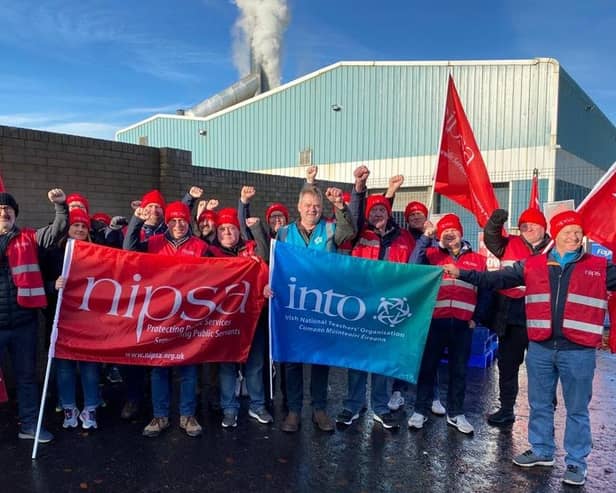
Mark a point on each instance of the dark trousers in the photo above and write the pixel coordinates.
(295, 386)
(512, 346)
(457, 337)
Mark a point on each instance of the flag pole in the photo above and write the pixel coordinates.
(440, 140)
(68, 255)
(269, 319)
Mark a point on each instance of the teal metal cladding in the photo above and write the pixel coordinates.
(387, 110)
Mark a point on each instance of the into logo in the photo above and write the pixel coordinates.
(393, 311)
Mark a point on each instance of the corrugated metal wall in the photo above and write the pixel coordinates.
(390, 116)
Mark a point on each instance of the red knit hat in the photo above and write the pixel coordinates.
(377, 199)
(567, 218)
(153, 197)
(102, 217)
(78, 216)
(77, 197)
(228, 216)
(415, 207)
(277, 207)
(534, 216)
(448, 221)
(208, 215)
(177, 210)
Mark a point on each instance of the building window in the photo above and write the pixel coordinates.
(143, 140)
(305, 157)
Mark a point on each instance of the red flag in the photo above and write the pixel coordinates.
(2, 189)
(461, 174)
(598, 211)
(534, 203)
(4, 396)
(136, 308)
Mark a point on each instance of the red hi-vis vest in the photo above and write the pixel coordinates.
(455, 298)
(193, 247)
(585, 304)
(22, 254)
(369, 244)
(515, 251)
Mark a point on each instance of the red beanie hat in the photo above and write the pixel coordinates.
(534, 216)
(567, 218)
(102, 217)
(448, 221)
(377, 199)
(177, 210)
(208, 215)
(228, 216)
(277, 207)
(415, 207)
(78, 216)
(153, 197)
(77, 197)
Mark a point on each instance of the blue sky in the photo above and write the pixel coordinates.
(90, 67)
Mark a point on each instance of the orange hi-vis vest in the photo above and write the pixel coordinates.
(456, 298)
(193, 247)
(369, 244)
(515, 251)
(585, 303)
(22, 254)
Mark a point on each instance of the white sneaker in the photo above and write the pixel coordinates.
(417, 421)
(461, 424)
(70, 418)
(438, 408)
(396, 401)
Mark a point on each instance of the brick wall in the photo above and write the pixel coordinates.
(111, 174)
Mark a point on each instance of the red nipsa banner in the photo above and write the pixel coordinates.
(461, 174)
(157, 310)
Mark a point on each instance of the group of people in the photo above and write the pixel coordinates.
(542, 295)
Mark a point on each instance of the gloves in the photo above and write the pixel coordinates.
(499, 217)
(118, 222)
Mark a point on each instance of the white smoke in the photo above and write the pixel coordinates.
(260, 27)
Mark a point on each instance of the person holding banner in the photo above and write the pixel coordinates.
(509, 320)
(177, 240)
(566, 300)
(22, 292)
(66, 370)
(379, 238)
(229, 243)
(312, 231)
(458, 309)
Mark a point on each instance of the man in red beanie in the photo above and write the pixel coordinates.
(509, 318)
(459, 307)
(379, 238)
(177, 240)
(77, 201)
(566, 299)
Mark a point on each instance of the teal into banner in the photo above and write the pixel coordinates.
(350, 312)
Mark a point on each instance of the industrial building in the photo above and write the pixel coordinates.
(525, 114)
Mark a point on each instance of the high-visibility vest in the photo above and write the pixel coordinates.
(22, 254)
(322, 237)
(369, 244)
(515, 251)
(160, 244)
(585, 303)
(456, 298)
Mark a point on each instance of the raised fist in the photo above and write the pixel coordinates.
(56, 196)
(311, 173)
(334, 195)
(429, 229)
(499, 216)
(211, 204)
(195, 192)
(361, 173)
(118, 222)
(246, 194)
(134, 204)
(251, 221)
(395, 182)
(142, 213)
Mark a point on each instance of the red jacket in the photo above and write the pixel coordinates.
(368, 245)
(585, 303)
(515, 250)
(161, 245)
(22, 254)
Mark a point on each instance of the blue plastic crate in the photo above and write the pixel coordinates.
(482, 360)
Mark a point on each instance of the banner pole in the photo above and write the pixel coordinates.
(68, 255)
(269, 319)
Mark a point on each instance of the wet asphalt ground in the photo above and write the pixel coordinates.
(255, 457)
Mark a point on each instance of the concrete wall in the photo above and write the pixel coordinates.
(111, 174)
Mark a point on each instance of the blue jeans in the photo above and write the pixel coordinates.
(253, 373)
(576, 369)
(66, 375)
(21, 344)
(295, 386)
(457, 337)
(356, 392)
(161, 390)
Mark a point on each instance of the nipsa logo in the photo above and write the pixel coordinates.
(159, 303)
